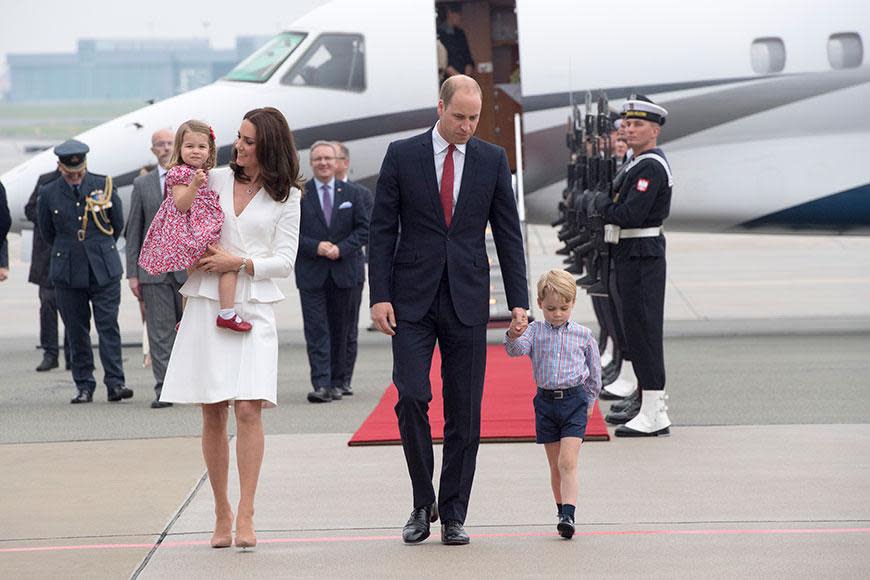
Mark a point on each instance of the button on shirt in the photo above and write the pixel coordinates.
(562, 356)
(439, 145)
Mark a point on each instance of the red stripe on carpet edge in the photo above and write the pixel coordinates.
(348, 539)
(507, 414)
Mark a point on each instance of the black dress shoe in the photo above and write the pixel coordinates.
(319, 396)
(346, 390)
(566, 527)
(624, 416)
(417, 528)
(335, 393)
(82, 397)
(48, 363)
(453, 534)
(118, 393)
(158, 404)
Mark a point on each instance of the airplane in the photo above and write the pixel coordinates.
(767, 128)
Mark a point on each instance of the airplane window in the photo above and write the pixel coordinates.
(258, 67)
(334, 61)
(767, 55)
(845, 50)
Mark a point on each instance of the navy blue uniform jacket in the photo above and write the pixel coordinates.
(60, 214)
(406, 269)
(348, 229)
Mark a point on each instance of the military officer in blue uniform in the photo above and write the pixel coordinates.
(80, 217)
(635, 214)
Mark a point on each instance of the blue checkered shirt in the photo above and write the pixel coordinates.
(562, 357)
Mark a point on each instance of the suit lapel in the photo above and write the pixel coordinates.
(427, 166)
(468, 174)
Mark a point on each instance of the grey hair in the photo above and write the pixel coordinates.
(322, 143)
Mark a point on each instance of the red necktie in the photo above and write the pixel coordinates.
(447, 185)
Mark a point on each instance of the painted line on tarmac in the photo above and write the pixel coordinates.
(350, 539)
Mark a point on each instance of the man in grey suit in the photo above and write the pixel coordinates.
(159, 293)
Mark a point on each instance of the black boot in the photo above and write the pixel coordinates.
(118, 393)
(48, 362)
(626, 415)
(84, 396)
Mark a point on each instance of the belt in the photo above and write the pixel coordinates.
(640, 232)
(558, 393)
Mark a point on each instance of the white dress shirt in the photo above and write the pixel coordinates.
(439, 144)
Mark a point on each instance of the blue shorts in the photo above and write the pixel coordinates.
(560, 417)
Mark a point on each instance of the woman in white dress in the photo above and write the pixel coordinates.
(213, 367)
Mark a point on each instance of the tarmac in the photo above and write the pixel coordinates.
(766, 472)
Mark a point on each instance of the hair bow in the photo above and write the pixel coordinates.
(211, 132)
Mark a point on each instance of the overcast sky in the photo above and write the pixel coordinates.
(40, 26)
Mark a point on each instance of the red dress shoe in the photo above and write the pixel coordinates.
(235, 323)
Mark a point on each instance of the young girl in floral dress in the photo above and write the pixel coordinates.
(190, 217)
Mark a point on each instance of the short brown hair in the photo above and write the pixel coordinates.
(276, 154)
(458, 83)
(557, 282)
(194, 126)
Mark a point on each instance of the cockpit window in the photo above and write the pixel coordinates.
(334, 61)
(258, 67)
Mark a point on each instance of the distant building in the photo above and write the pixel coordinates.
(123, 69)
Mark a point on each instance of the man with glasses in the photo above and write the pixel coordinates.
(158, 293)
(332, 228)
(80, 217)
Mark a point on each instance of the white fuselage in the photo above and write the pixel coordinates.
(742, 144)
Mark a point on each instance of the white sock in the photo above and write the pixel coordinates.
(227, 313)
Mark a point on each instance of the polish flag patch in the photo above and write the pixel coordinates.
(642, 185)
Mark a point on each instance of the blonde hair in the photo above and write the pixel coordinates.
(559, 282)
(194, 126)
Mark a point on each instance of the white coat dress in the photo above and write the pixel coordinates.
(210, 364)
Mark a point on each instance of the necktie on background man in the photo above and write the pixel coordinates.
(327, 204)
(447, 185)
(77, 191)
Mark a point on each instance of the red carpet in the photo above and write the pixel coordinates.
(507, 406)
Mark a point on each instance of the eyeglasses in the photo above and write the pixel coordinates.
(162, 144)
(319, 159)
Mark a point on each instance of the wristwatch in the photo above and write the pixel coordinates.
(244, 266)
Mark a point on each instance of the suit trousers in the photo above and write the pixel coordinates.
(163, 308)
(353, 332)
(463, 364)
(325, 320)
(75, 308)
(48, 334)
(641, 282)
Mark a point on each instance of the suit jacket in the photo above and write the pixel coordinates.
(40, 255)
(368, 199)
(407, 197)
(348, 229)
(144, 203)
(266, 231)
(60, 218)
(5, 216)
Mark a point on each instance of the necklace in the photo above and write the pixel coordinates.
(252, 187)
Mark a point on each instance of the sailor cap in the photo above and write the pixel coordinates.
(71, 154)
(640, 107)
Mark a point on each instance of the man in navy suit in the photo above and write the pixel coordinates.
(333, 227)
(429, 280)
